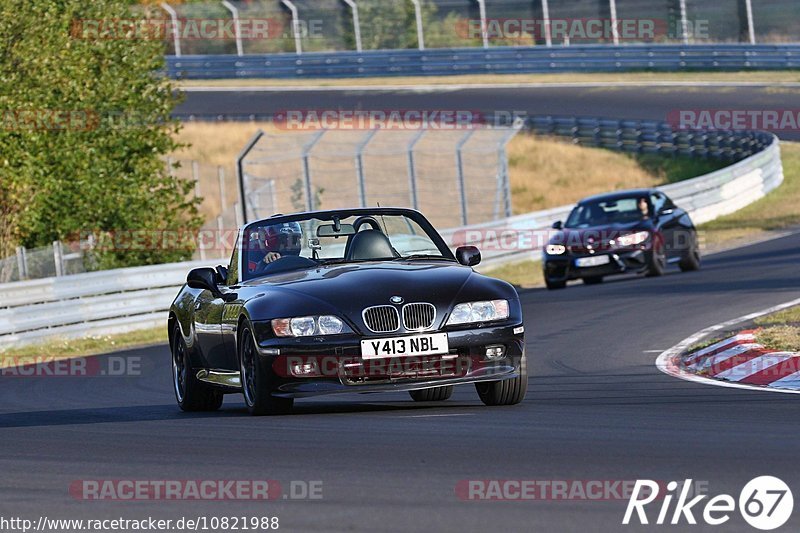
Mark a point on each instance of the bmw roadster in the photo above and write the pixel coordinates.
(359, 300)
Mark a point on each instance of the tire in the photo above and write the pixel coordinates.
(506, 392)
(258, 380)
(691, 260)
(191, 394)
(594, 280)
(434, 394)
(656, 261)
(554, 285)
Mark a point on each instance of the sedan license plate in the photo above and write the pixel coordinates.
(433, 344)
(592, 261)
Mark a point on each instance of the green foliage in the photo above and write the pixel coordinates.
(85, 130)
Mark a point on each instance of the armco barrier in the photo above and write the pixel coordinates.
(499, 60)
(122, 300)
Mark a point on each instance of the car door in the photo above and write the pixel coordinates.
(667, 222)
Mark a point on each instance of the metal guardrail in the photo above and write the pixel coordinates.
(116, 301)
(500, 60)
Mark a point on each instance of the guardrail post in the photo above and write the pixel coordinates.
(22, 262)
(751, 30)
(356, 23)
(362, 186)
(420, 30)
(176, 27)
(240, 174)
(484, 26)
(612, 4)
(307, 169)
(548, 36)
(412, 168)
(237, 26)
(298, 41)
(58, 258)
(462, 189)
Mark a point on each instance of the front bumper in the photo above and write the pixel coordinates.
(335, 365)
(563, 268)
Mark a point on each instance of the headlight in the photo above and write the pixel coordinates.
(633, 239)
(556, 249)
(472, 312)
(308, 326)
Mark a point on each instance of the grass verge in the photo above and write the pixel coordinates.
(509, 79)
(780, 331)
(67, 348)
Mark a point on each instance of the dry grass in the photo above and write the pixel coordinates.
(522, 274)
(762, 76)
(787, 316)
(783, 338)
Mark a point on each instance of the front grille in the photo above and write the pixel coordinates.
(418, 316)
(381, 319)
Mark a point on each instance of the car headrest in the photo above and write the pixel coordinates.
(370, 244)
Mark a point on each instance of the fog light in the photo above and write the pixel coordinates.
(495, 351)
(304, 369)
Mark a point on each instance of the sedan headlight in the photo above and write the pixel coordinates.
(556, 249)
(472, 312)
(308, 326)
(633, 239)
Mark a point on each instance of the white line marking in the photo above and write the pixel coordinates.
(665, 363)
(724, 356)
(753, 366)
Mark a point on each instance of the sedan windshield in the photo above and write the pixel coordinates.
(607, 212)
(293, 244)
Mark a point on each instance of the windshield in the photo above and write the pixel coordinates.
(606, 212)
(296, 243)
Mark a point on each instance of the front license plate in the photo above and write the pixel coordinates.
(433, 344)
(592, 261)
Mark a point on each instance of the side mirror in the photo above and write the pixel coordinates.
(204, 279)
(558, 225)
(468, 255)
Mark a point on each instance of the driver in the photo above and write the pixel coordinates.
(281, 240)
(644, 208)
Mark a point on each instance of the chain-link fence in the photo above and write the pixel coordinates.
(456, 177)
(301, 26)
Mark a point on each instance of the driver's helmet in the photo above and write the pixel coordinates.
(285, 238)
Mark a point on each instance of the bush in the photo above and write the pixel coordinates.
(86, 128)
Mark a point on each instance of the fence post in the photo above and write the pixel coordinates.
(307, 169)
(219, 240)
(240, 174)
(750, 27)
(22, 262)
(503, 179)
(58, 258)
(356, 23)
(223, 200)
(420, 30)
(462, 189)
(237, 26)
(412, 168)
(362, 186)
(176, 27)
(684, 22)
(298, 41)
(548, 36)
(484, 26)
(612, 4)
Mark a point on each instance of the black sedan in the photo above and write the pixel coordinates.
(635, 231)
(358, 300)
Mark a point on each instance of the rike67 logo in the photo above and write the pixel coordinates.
(765, 503)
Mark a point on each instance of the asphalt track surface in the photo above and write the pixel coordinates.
(597, 409)
(640, 102)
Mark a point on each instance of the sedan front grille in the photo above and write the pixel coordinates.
(418, 316)
(381, 319)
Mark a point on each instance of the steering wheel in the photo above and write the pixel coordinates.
(285, 263)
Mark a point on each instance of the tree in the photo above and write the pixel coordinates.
(85, 130)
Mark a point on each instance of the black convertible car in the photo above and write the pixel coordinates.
(638, 231)
(359, 300)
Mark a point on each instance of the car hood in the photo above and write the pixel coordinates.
(602, 233)
(347, 289)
